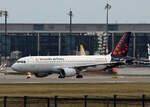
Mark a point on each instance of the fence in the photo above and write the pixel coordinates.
(86, 101)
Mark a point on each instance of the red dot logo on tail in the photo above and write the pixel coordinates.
(115, 53)
(119, 52)
(123, 51)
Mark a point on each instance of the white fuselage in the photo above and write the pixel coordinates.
(53, 64)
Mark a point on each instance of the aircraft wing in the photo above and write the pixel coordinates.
(108, 65)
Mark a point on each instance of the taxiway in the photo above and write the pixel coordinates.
(126, 75)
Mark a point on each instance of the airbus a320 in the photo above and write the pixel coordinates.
(68, 66)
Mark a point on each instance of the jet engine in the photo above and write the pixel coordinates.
(68, 72)
(40, 75)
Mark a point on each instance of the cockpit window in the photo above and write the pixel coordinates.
(21, 61)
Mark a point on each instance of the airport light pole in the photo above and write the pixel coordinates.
(71, 15)
(70, 27)
(4, 13)
(107, 7)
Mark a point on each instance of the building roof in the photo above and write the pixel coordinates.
(39, 27)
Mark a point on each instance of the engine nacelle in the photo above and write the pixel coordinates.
(68, 72)
(40, 75)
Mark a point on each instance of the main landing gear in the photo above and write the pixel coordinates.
(79, 76)
(61, 76)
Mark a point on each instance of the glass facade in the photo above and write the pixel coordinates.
(5, 47)
(27, 43)
(142, 39)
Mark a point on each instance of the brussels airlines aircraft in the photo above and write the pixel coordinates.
(67, 66)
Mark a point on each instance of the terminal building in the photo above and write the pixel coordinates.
(56, 39)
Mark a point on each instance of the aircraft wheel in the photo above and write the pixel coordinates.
(61, 76)
(79, 76)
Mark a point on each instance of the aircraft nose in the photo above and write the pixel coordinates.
(15, 67)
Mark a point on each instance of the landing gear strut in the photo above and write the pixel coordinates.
(78, 75)
(61, 75)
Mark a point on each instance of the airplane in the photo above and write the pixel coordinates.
(82, 51)
(68, 66)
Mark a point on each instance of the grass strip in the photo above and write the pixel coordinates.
(75, 90)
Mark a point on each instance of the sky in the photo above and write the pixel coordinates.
(84, 11)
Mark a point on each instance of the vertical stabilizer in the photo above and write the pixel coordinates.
(82, 51)
(122, 48)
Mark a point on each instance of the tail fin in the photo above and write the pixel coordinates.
(82, 52)
(122, 48)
